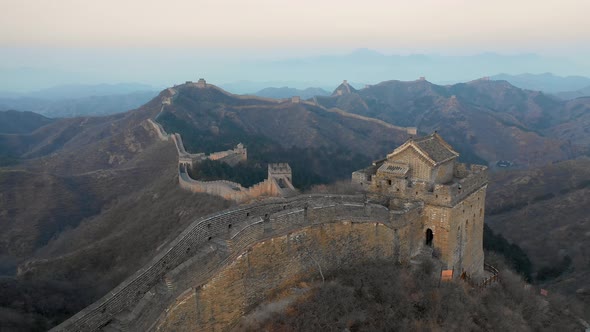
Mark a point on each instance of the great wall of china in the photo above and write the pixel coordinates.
(224, 264)
(278, 182)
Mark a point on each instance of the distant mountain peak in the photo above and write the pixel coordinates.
(344, 89)
(546, 82)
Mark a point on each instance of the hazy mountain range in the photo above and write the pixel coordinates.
(546, 82)
(72, 91)
(567, 95)
(79, 99)
(102, 99)
(364, 66)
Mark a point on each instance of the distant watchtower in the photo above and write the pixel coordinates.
(241, 150)
(425, 170)
(201, 83)
(279, 170)
(280, 180)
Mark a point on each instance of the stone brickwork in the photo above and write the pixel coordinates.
(273, 264)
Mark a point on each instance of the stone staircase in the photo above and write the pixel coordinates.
(169, 284)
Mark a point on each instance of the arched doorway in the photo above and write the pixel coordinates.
(429, 237)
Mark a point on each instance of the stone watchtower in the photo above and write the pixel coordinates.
(241, 150)
(280, 171)
(201, 83)
(425, 171)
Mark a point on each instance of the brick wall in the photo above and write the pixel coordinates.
(273, 263)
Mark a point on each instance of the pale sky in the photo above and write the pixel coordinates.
(416, 25)
(161, 42)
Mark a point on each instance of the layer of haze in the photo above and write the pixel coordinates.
(54, 42)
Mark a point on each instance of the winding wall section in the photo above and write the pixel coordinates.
(226, 189)
(229, 232)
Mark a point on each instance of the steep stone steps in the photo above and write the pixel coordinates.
(169, 284)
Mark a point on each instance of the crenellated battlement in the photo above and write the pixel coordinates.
(448, 194)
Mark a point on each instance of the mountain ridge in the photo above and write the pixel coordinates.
(493, 118)
(546, 82)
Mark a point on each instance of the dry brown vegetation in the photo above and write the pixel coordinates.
(380, 296)
(83, 263)
(545, 212)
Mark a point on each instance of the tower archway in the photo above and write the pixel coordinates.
(429, 237)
